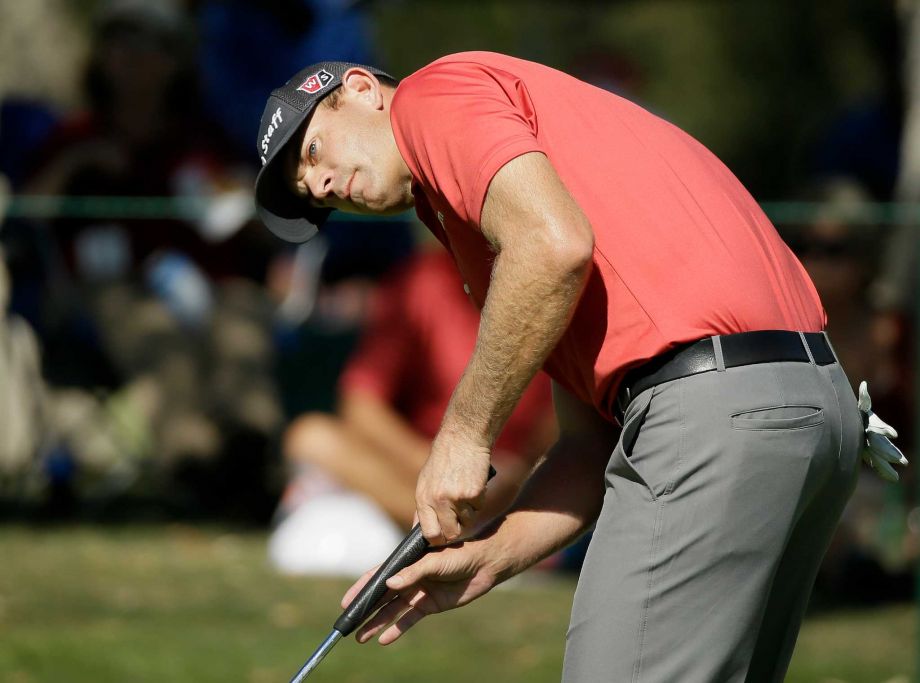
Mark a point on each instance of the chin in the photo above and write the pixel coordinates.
(367, 208)
(382, 206)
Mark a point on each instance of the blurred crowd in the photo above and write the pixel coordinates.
(148, 340)
(175, 360)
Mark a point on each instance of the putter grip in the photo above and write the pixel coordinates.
(409, 551)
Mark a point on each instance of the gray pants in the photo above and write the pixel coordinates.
(722, 495)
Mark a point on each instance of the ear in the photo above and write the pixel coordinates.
(362, 86)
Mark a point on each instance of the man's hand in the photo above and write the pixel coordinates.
(443, 579)
(878, 452)
(451, 487)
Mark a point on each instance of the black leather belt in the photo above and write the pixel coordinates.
(744, 348)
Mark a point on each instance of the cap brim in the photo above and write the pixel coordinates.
(288, 216)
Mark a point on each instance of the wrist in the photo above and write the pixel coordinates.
(497, 556)
(456, 442)
(458, 426)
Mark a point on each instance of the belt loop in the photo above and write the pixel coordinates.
(830, 346)
(811, 358)
(717, 350)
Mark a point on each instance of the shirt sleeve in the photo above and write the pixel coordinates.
(457, 124)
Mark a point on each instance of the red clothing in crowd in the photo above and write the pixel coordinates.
(419, 339)
(682, 251)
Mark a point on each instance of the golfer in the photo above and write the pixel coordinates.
(707, 430)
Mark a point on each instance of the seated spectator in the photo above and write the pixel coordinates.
(393, 393)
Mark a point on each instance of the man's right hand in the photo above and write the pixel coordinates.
(451, 487)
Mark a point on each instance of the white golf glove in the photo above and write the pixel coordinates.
(878, 452)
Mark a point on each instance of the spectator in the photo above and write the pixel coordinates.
(393, 393)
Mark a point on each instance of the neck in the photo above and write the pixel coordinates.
(405, 174)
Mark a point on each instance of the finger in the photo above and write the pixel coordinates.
(406, 580)
(884, 449)
(357, 586)
(467, 515)
(386, 615)
(431, 526)
(403, 624)
(479, 501)
(885, 471)
(450, 524)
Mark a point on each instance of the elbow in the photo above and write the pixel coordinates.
(560, 249)
(574, 249)
(583, 254)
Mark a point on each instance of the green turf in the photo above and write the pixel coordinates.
(181, 604)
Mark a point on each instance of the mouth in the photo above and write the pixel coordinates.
(346, 193)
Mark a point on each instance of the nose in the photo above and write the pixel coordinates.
(321, 183)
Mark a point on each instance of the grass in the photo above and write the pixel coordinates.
(183, 604)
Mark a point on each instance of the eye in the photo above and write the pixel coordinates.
(311, 152)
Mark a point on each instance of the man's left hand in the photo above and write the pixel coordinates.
(451, 487)
(878, 452)
(443, 579)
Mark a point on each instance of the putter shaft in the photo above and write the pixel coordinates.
(317, 656)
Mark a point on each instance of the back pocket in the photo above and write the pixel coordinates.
(778, 417)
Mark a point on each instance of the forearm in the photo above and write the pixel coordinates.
(531, 299)
(558, 503)
(544, 245)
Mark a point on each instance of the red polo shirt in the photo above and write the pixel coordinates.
(682, 251)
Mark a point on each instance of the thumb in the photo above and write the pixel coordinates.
(864, 402)
(879, 426)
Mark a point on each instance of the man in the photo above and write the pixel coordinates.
(612, 249)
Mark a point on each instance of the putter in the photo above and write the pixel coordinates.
(409, 551)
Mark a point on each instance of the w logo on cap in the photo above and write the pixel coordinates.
(316, 82)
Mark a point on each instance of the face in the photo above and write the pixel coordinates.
(347, 158)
